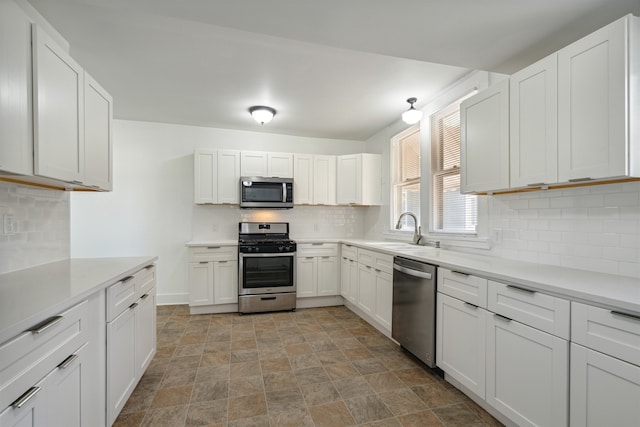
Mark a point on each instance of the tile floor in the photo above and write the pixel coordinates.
(313, 367)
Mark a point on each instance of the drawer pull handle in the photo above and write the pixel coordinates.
(468, 304)
(126, 279)
(223, 262)
(68, 361)
(268, 298)
(213, 247)
(504, 319)
(149, 267)
(308, 257)
(460, 273)
(19, 403)
(144, 296)
(536, 184)
(629, 316)
(326, 257)
(204, 262)
(134, 305)
(580, 179)
(40, 328)
(517, 288)
(317, 244)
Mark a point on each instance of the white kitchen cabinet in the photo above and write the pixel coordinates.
(16, 126)
(384, 299)
(213, 275)
(461, 342)
(358, 179)
(484, 140)
(366, 289)
(58, 111)
(131, 336)
(533, 143)
(317, 270)
(324, 180)
(303, 179)
(216, 176)
(349, 273)
(598, 103)
(260, 163)
(527, 373)
(98, 113)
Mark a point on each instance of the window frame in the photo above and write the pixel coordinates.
(395, 201)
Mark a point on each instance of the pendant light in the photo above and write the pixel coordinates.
(412, 115)
(262, 114)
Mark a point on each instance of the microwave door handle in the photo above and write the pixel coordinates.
(284, 192)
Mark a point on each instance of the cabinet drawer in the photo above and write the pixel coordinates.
(213, 253)
(468, 288)
(317, 249)
(377, 260)
(145, 279)
(538, 310)
(607, 331)
(31, 355)
(349, 252)
(120, 296)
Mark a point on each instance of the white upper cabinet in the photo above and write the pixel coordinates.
(358, 179)
(324, 180)
(16, 138)
(58, 110)
(598, 104)
(98, 113)
(260, 163)
(253, 163)
(303, 179)
(484, 140)
(534, 124)
(280, 165)
(216, 176)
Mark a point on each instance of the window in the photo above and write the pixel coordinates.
(452, 212)
(406, 176)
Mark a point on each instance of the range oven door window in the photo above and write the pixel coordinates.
(266, 273)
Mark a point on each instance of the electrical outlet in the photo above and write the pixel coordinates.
(10, 225)
(497, 235)
(315, 227)
(214, 227)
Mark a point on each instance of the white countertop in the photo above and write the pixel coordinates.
(197, 243)
(31, 295)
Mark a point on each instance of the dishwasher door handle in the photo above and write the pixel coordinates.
(410, 272)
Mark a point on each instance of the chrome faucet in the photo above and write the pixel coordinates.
(417, 231)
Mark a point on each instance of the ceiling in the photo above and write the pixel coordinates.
(338, 69)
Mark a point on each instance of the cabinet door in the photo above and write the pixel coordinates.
(253, 163)
(534, 124)
(205, 177)
(145, 331)
(384, 298)
(367, 289)
(58, 111)
(354, 271)
(349, 186)
(328, 276)
(228, 177)
(461, 342)
(605, 391)
(225, 282)
(64, 394)
(98, 113)
(280, 165)
(16, 138)
(484, 140)
(324, 180)
(303, 179)
(201, 283)
(527, 373)
(370, 179)
(592, 105)
(121, 362)
(31, 414)
(345, 283)
(306, 277)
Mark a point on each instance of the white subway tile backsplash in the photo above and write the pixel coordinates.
(595, 228)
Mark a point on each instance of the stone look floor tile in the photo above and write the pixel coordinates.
(314, 367)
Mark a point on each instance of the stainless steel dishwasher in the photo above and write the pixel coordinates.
(414, 308)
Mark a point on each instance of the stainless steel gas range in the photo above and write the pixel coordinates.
(267, 267)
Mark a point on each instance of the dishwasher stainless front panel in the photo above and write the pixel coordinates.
(414, 308)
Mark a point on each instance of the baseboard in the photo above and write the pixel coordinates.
(314, 302)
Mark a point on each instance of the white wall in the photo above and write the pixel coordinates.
(151, 209)
(42, 218)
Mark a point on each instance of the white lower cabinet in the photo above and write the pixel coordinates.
(317, 270)
(461, 342)
(527, 373)
(384, 298)
(366, 289)
(349, 282)
(131, 340)
(213, 275)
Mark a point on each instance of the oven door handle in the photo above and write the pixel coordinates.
(267, 255)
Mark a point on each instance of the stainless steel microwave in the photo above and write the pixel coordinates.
(266, 192)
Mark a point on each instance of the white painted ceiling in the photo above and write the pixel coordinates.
(331, 68)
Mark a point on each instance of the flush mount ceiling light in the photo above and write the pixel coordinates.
(262, 114)
(412, 115)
